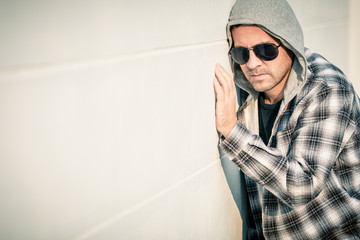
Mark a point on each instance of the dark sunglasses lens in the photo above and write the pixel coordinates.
(266, 52)
(240, 55)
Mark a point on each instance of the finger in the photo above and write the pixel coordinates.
(218, 89)
(229, 86)
(224, 78)
(227, 76)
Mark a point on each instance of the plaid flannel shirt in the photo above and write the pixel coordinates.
(305, 184)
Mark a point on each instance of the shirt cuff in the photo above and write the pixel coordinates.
(236, 141)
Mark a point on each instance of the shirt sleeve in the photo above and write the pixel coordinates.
(297, 169)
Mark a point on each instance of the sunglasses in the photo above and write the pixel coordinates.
(265, 52)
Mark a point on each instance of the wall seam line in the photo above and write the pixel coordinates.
(110, 221)
(36, 70)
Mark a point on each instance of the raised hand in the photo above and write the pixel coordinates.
(225, 108)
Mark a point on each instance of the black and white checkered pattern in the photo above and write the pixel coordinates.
(306, 183)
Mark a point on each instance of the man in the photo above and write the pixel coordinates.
(296, 135)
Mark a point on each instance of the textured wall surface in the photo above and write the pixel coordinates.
(107, 116)
(107, 121)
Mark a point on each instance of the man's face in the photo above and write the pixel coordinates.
(265, 76)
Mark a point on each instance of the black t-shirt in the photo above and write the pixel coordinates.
(267, 116)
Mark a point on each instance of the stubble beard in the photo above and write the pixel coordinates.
(267, 84)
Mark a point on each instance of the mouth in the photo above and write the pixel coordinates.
(258, 77)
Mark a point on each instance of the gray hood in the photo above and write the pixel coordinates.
(277, 19)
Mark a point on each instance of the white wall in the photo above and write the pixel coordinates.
(107, 116)
(107, 121)
(353, 41)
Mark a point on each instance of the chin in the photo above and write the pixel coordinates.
(262, 88)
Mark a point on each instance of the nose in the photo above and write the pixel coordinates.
(253, 61)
